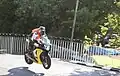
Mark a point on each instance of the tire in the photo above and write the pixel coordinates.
(46, 61)
(27, 60)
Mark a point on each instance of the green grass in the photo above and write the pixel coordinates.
(106, 61)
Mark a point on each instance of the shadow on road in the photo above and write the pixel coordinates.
(22, 71)
(94, 73)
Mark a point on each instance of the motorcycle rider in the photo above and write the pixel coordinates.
(37, 39)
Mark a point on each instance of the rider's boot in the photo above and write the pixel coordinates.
(30, 53)
(34, 53)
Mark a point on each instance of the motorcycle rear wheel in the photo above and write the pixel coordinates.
(27, 60)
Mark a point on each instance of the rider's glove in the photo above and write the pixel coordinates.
(40, 41)
(35, 44)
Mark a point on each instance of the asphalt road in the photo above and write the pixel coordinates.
(14, 65)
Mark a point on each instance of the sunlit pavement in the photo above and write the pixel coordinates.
(14, 65)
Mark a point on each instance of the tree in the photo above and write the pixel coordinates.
(35, 12)
(7, 15)
(91, 16)
(57, 16)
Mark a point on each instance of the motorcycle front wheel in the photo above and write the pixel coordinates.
(46, 61)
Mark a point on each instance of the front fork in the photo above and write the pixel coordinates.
(43, 55)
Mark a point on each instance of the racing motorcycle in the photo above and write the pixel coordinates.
(42, 54)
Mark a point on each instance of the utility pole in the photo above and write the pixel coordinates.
(72, 35)
(74, 22)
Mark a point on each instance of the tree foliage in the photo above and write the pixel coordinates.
(7, 15)
(21, 16)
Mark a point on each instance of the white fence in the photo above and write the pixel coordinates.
(16, 44)
(13, 44)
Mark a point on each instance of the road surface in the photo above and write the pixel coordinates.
(14, 65)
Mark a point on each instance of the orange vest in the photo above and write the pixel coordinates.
(37, 30)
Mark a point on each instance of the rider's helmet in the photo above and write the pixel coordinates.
(42, 30)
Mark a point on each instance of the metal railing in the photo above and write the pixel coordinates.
(13, 44)
(16, 44)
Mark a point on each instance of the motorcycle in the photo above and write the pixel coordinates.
(42, 54)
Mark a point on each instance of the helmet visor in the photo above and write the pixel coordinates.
(42, 32)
